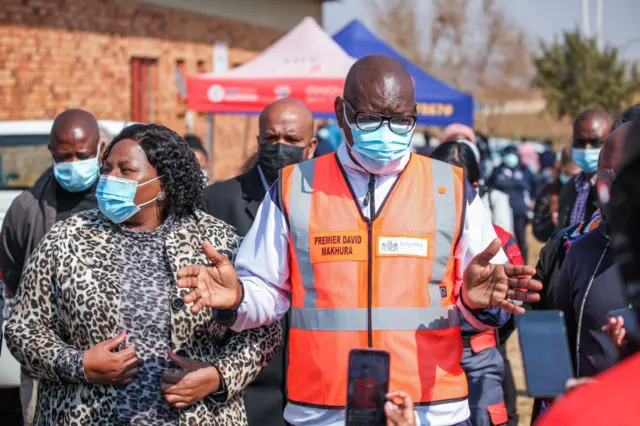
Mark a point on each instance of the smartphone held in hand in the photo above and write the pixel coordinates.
(368, 384)
(629, 316)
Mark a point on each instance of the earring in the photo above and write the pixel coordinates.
(161, 196)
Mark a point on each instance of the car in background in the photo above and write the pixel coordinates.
(24, 156)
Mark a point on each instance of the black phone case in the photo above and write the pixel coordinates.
(385, 384)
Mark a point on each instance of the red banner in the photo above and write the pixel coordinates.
(226, 95)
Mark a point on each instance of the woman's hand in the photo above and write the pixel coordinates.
(572, 384)
(401, 414)
(616, 331)
(104, 367)
(196, 380)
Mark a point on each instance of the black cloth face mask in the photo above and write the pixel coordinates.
(275, 156)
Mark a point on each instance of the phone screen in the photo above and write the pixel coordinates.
(630, 318)
(545, 353)
(368, 384)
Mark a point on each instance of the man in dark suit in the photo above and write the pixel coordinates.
(285, 137)
(578, 197)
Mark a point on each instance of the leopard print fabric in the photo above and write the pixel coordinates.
(69, 298)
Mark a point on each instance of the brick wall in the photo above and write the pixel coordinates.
(57, 54)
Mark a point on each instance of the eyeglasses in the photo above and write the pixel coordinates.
(369, 121)
(582, 143)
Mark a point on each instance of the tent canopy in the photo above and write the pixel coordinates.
(304, 64)
(438, 104)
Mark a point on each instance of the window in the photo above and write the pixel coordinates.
(201, 67)
(181, 80)
(144, 78)
(23, 158)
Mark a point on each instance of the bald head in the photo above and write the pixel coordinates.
(287, 110)
(611, 154)
(286, 121)
(381, 84)
(591, 128)
(631, 147)
(375, 84)
(628, 115)
(74, 136)
(610, 159)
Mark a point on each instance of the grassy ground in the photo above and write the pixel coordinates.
(513, 350)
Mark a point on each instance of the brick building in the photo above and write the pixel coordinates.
(123, 59)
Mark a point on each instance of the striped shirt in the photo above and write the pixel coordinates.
(583, 188)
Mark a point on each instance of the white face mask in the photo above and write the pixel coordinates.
(205, 173)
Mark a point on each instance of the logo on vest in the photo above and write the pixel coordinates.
(389, 246)
(418, 247)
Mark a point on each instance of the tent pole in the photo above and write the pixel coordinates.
(210, 129)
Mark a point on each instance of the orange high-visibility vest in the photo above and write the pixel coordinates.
(384, 284)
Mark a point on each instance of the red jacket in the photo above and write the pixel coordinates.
(612, 400)
(509, 246)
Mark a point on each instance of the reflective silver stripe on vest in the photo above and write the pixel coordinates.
(299, 216)
(415, 318)
(355, 319)
(445, 212)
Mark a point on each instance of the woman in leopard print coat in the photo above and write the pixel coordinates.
(97, 294)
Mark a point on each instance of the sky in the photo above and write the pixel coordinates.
(542, 19)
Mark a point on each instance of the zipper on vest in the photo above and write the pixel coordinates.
(370, 199)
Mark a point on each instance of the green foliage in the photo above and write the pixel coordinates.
(575, 75)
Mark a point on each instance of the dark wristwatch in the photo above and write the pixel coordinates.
(226, 317)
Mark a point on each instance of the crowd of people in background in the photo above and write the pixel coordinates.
(146, 293)
(554, 189)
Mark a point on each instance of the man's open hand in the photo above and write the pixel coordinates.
(214, 286)
(487, 285)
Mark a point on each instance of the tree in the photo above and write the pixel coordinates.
(469, 44)
(575, 75)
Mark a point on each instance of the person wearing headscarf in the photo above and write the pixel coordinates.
(458, 132)
(529, 156)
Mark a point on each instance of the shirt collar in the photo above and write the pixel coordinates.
(346, 160)
(265, 184)
(581, 178)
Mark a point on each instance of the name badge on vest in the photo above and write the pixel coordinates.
(403, 246)
(339, 246)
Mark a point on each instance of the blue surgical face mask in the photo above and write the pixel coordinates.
(586, 159)
(77, 176)
(115, 197)
(511, 160)
(376, 150)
